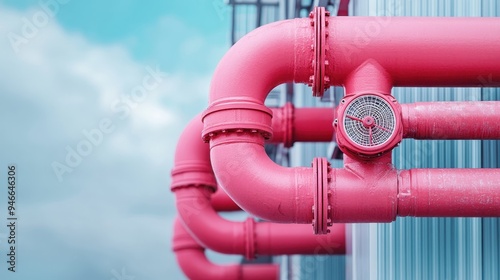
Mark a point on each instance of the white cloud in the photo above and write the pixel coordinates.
(116, 202)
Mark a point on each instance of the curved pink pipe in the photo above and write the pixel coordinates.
(195, 265)
(251, 238)
(451, 120)
(248, 238)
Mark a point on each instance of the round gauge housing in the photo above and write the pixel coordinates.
(369, 124)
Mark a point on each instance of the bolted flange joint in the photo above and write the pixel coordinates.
(321, 208)
(319, 81)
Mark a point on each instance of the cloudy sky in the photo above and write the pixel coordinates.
(93, 95)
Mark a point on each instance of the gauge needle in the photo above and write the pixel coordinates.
(383, 128)
(354, 118)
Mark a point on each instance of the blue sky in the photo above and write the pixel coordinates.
(93, 95)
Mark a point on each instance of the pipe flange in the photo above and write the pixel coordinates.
(321, 208)
(319, 81)
(236, 114)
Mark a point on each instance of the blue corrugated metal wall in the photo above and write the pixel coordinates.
(431, 248)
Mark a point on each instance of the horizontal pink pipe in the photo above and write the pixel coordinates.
(220, 201)
(364, 191)
(455, 192)
(291, 124)
(376, 192)
(417, 51)
(250, 238)
(195, 265)
(451, 120)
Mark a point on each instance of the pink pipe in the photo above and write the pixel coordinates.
(420, 52)
(250, 238)
(290, 124)
(343, 9)
(415, 51)
(426, 51)
(220, 201)
(451, 120)
(195, 265)
(376, 192)
(193, 188)
(282, 195)
(449, 193)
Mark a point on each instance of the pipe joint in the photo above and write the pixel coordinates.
(365, 192)
(182, 240)
(319, 81)
(283, 125)
(237, 114)
(192, 173)
(321, 208)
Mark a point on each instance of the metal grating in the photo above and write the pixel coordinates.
(376, 108)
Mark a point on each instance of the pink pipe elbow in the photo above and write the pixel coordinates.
(451, 120)
(257, 184)
(195, 265)
(251, 238)
(248, 238)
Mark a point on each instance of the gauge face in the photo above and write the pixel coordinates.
(369, 121)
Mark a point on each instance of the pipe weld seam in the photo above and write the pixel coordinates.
(234, 115)
(321, 208)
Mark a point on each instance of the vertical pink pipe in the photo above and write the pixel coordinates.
(195, 265)
(451, 120)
